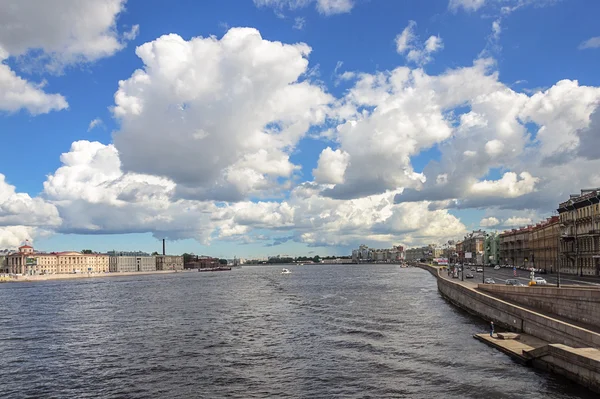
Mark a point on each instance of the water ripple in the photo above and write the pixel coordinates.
(321, 332)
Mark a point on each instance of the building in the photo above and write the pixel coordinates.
(202, 262)
(579, 229)
(27, 261)
(515, 247)
(491, 250)
(472, 246)
(421, 253)
(366, 254)
(460, 253)
(169, 262)
(543, 244)
(132, 264)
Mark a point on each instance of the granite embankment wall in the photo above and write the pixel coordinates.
(513, 317)
(577, 304)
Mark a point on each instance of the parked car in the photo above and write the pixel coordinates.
(469, 275)
(540, 281)
(489, 281)
(479, 269)
(496, 267)
(514, 281)
(472, 269)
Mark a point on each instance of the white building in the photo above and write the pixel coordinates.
(132, 264)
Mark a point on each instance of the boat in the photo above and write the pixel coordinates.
(286, 271)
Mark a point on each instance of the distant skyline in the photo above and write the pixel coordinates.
(261, 127)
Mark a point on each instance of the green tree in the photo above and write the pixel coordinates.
(187, 257)
(86, 251)
(154, 253)
(317, 259)
(223, 261)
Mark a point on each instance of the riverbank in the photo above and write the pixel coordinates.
(571, 350)
(74, 276)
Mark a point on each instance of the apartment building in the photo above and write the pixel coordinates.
(132, 264)
(543, 242)
(27, 261)
(169, 262)
(491, 250)
(579, 225)
(515, 247)
(473, 244)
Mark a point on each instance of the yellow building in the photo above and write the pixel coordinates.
(27, 261)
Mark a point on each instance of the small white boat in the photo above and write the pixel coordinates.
(286, 271)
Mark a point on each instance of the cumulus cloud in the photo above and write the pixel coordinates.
(517, 222)
(242, 96)
(407, 43)
(11, 237)
(21, 209)
(17, 93)
(67, 31)
(489, 222)
(324, 7)
(53, 34)
(331, 166)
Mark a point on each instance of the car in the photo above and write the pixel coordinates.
(540, 281)
(479, 269)
(472, 269)
(496, 267)
(469, 275)
(489, 281)
(515, 282)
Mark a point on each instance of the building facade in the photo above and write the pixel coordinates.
(543, 242)
(118, 264)
(27, 261)
(579, 225)
(169, 262)
(491, 250)
(515, 247)
(473, 244)
(202, 262)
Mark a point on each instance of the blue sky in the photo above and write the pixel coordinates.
(538, 45)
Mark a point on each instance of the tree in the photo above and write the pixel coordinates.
(154, 253)
(317, 259)
(86, 251)
(187, 257)
(223, 261)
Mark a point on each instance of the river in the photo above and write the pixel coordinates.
(328, 331)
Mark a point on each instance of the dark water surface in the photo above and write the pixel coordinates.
(321, 332)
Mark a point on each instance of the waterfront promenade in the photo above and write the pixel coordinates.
(567, 347)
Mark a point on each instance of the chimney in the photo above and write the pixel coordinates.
(164, 247)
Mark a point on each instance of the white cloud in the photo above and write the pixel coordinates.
(467, 5)
(241, 96)
(67, 31)
(11, 237)
(331, 166)
(407, 43)
(17, 93)
(489, 222)
(299, 23)
(517, 222)
(58, 33)
(94, 123)
(20, 209)
(325, 7)
(592, 42)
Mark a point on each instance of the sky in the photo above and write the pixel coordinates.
(252, 128)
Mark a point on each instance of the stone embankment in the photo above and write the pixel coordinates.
(562, 346)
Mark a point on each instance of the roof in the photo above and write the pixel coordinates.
(25, 246)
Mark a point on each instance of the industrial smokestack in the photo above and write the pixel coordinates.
(164, 247)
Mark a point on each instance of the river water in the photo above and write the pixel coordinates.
(322, 332)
